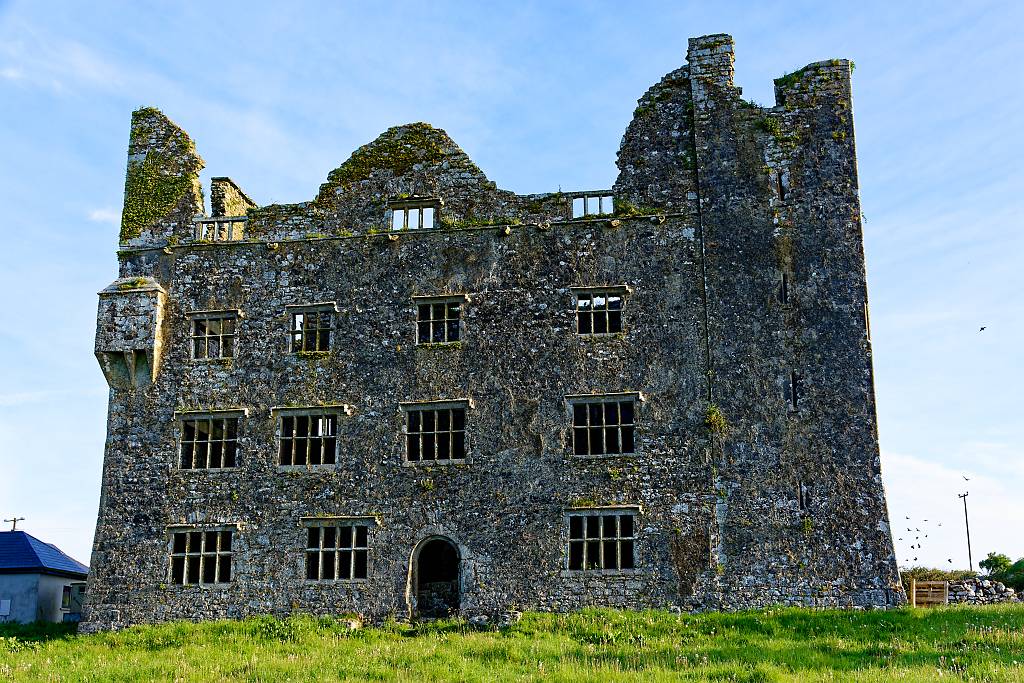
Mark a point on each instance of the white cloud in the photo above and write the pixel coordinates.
(105, 215)
(12, 73)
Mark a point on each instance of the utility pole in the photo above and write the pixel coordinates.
(970, 562)
(14, 522)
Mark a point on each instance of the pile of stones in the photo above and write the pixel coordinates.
(980, 592)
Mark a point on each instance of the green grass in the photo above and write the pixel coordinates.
(956, 643)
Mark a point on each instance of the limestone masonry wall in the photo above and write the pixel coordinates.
(735, 246)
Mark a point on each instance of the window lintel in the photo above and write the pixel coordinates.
(316, 306)
(328, 520)
(599, 509)
(611, 289)
(214, 313)
(203, 526)
(212, 412)
(437, 404)
(605, 398)
(324, 409)
(414, 202)
(440, 298)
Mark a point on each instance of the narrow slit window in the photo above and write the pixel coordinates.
(213, 336)
(601, 541)
(308, 439)
(201, 556)
(784, 290)
(435, 434)
(795, 390)
(599, 311)
(804, 493)
(311, 330)
(209, 442)
(337, 551)
(604, 427)
(438, 321)
(781, 186)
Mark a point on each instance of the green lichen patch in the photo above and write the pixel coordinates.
(714, 420)
(133, 283)
(625, 209)
(156, 184)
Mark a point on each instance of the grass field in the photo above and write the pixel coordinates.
(956, 643)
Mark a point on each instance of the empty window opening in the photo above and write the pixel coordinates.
(599, 311)
(213, 335)
(438, 322)
(795, 390)
(337, 551)
(435, 433)
(308, 439)
(413, 214)
(208, 442)
(219, 229)
(601, 541)
(201, 556)
(592, 205)
(437, 578)
(603, 426)
(781, 186)
(784, 290)
(311, 330)
(804, 492)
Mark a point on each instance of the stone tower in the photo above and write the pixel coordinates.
(420, 394)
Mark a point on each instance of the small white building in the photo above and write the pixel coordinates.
(38, 581)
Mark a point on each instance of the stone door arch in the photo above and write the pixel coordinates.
(436, 577)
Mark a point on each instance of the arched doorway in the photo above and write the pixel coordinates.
(437, 578)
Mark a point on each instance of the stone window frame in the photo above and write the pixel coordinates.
(319, 307)
(339, 410)
(407, 406)
(65, 598)
(212, 314)
(635, 511)
(572, 400)
(418, 204)
(370, 522)
(622, 291)
(430, 300)
(203, 529)
(182, 416)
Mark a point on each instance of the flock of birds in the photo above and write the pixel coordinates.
(916, 545)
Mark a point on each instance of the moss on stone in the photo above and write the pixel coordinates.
(397, 150)
(134, 283)
(715, 420)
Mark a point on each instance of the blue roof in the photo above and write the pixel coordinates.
(22, 552)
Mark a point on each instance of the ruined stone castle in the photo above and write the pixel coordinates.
(420, 394)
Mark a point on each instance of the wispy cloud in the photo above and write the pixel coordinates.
(105, 215)
(11, 73)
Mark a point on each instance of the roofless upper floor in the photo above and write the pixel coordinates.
(415, 177)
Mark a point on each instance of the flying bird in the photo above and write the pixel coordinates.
(982, 329)
(965, 478)
(950, 561)
(940, 523)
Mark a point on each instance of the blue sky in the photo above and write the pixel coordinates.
(539, 94)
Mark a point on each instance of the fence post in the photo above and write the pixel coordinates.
(913, 592)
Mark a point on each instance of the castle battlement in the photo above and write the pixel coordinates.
(418, 393)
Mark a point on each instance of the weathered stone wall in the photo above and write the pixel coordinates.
(702, 238)
(980, 592)
(227, 199)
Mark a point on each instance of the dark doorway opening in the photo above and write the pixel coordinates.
(437, 579)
